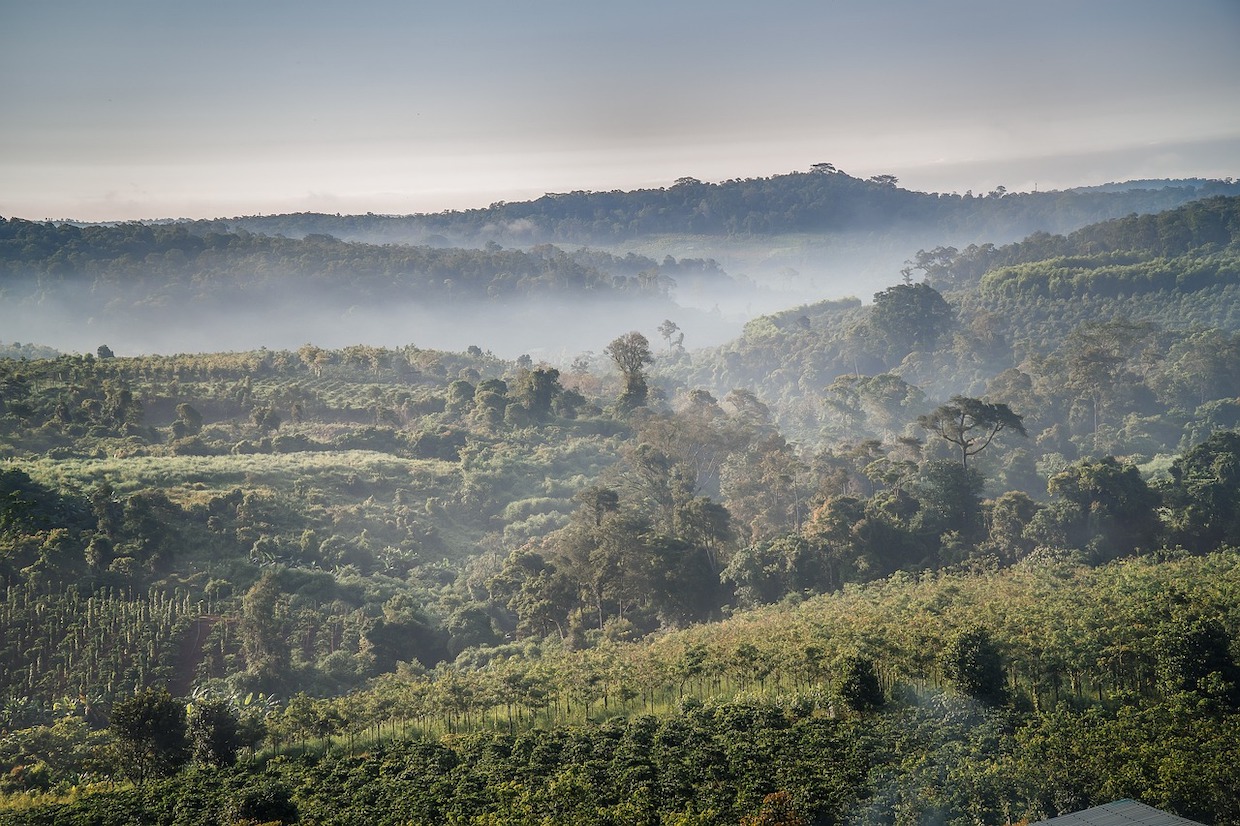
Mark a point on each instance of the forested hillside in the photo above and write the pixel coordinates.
(164, 288)
(823, 200)
(964, 554)
(165, 265)
(1119, 338)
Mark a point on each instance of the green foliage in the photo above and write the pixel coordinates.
(949, 499)
(727, 763)
(269, 801)
(213, 732)
(631, 353)
(1103, 507)
(1193, 654)
(150, 731)
(813, 201)
(1209, 223)
(909, 317)
(760, 731)
(154, 266)
(857, 684)
(1105, 385)
(973, 665)
(1202, 493)
(971, 424)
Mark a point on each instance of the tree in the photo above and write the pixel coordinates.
(150, 734)
(1096, 359)
(833, 528)
(460, 399)
(631, 353)
(605, 551)
(1103, 507)
(874, 404)
(657, 482)
(490, 403)
(973, 665)
(669, 329)
(857, 684)
(936, 265)
(536, 591)
(765, 572)
(971, 424)
(1201, 494)
(266, 419)
(537, 390)
(214, 732)
(188, 423)
(707, 525)
(1193, 655)
(909, 317)
(268, 801)
(1006, 519)
(599, 501)
(262, 631)
(777, 809)
(950, 498)
(313, 357)
(763, 488)
(1201, 366)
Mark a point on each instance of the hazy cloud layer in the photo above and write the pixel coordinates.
(137, 109)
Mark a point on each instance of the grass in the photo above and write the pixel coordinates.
(187, 478)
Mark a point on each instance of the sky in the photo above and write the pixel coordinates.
(132, 109)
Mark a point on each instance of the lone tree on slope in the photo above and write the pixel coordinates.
(631, 353)
(971, 424)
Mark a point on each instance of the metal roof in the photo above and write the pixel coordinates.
(1119, 813)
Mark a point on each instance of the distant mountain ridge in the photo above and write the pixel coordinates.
(816, 202)
(1152, 183)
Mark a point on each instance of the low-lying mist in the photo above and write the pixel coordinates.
(554, 277)
(547, 329)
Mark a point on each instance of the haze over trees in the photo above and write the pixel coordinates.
(967, 553)
(702, 254)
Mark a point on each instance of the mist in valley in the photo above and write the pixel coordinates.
(176, 288)
(514, 279)
(724, 253)
(551, 330)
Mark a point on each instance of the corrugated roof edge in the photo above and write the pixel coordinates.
(1119, 813)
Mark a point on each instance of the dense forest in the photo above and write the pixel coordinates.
(162, 265)
(822, 200)
(968, 552)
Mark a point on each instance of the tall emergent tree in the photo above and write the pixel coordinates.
(971, 424)
(631, 353)
(909, 317)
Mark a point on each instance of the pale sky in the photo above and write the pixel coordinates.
(170, 108)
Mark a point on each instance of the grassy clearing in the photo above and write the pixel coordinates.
(186, 478)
